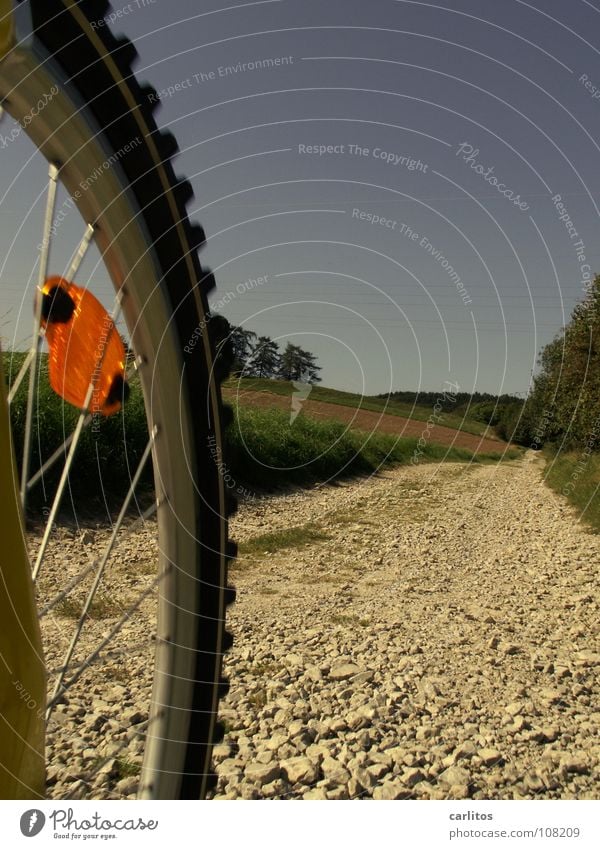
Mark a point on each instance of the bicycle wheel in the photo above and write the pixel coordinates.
(99, 123)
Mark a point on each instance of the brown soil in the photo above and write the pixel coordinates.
(367, 420)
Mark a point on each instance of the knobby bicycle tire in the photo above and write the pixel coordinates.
(99, 91)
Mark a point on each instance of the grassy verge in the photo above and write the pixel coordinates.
(577, 476)
(350, 399)
(266, 451)
(108, 453)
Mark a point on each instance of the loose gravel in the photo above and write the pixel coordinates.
(441, 640)
(443, 643)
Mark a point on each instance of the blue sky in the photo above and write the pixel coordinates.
(320, 138)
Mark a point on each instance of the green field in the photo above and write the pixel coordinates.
(350, 399)
(266, 452)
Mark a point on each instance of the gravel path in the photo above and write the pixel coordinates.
(95, 735)
(441, 639)
(442, 642)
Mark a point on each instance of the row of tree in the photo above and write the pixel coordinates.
(259, 356)
(563, 406)
(482, 406)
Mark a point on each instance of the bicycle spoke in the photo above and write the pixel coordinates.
(55, 457)
(102, 566)
(92, 605)
(60, 689)
(36, 338)
(76, 436)
(60, 490)
(81, 252)
(73, 269)
(19, 378)
(94, 563)
(60, 451)
(110, 655)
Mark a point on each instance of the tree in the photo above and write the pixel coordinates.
(289, 368)
(297, 364)
(243, 342)
(265, 359)
(564, 404)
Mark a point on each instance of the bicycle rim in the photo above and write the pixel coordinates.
(148, 246)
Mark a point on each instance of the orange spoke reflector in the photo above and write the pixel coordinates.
(84, 347)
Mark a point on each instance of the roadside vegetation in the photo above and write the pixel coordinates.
(375, 403)
(107, 456)
(269, 453)
(578, 478)
(266, 451)
(562, 412)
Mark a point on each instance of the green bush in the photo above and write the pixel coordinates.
(564, 406)
(108, 453)
(510, 423)
(486, 411)
(576, 475)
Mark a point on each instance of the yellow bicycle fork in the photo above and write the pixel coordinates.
(7, 27)
(22, 668)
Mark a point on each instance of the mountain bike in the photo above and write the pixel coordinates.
(68, 83)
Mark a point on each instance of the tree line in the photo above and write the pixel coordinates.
(260, 356)
(563, 406)
(456, 402)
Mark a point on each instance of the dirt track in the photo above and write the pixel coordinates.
(443, 641)
(368, 421)
(438, 638)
